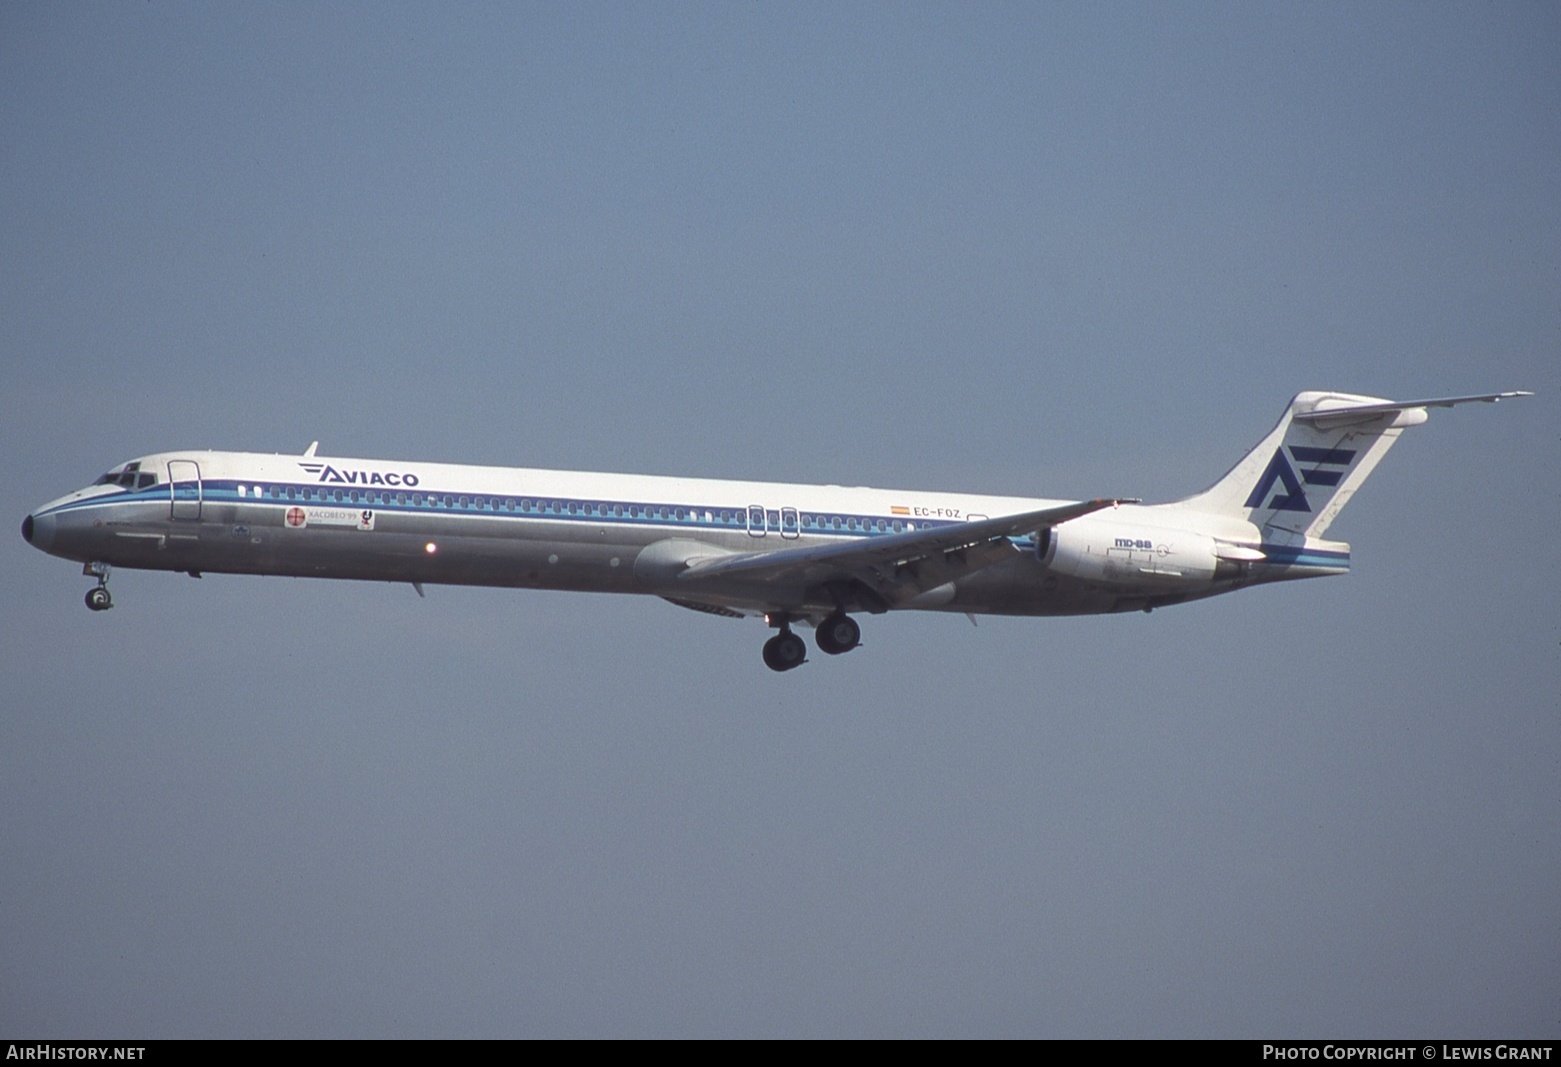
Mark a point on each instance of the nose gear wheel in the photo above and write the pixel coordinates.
(97, 597)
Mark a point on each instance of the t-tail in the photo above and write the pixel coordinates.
(1295, 482)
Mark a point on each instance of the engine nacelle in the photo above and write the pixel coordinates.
(1122, 554)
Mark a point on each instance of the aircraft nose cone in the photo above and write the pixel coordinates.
(38, 531)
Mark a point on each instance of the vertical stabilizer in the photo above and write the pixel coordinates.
(1298, 478)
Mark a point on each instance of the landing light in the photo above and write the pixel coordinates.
(430, 548)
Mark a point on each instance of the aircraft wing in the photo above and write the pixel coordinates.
(894, 567)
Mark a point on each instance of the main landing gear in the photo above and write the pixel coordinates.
(785, 650)
(97, 597)
(836, 634)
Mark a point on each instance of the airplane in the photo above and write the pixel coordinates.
(792, 554)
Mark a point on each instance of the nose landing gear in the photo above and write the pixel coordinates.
(97, 597)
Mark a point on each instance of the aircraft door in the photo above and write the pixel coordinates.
(789, 526)
(184, 489)
(756, 524)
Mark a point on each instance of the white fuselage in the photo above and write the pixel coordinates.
(314, 516)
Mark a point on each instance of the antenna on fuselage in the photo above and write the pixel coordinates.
(312, 446)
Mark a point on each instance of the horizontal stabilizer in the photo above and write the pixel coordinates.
(1338, 409)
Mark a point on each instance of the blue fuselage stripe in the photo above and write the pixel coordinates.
(524, 508)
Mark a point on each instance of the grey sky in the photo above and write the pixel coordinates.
(1063, 250)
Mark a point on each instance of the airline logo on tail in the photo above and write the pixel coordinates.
(1320, 466)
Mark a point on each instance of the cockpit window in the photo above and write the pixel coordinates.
(129, 476)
